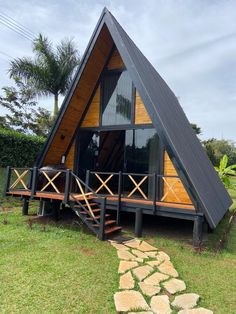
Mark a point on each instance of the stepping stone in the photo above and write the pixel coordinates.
(124, 266)
(163, 255)
(200, 310)
(140, 312)
(149, 290)
(134, 244)
(186, 301)
(168, 268)
(155, 279)
(119, 246)
(126, 255)
(139, 254)
(129, 300)
(174, 285)
(154, 263)
(142, 272)
(145, 247)
(151, 254)
(160, 304)
(126, 281)
(139, 260)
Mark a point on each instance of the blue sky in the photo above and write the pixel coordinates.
(191, 43)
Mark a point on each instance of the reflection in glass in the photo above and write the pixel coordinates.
(117, 99)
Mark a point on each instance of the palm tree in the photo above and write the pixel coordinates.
(51, 71)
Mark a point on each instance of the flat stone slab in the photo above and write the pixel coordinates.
(200, 310)
(155, 279)
(119, 246)
(174, 285)
(145, 247)
(151, 254)
(154, 263)
(186, 301)
(126, 255)
(129, 300)
(126, 281)
(168, 268)
(160, 304)
(134, 244)
(125, 265)
(163, 255)
(149, 290)
(141, 312)
(139, 254)
(139, 260)
(142, 272)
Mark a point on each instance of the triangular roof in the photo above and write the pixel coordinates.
(180, 141)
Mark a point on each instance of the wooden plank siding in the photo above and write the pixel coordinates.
(141, 115)
(115, 62)
(80, 98)
(69, 163)
(92, 116)
(176, 184)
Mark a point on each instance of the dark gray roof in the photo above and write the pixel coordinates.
(173, 127)
(184, 148)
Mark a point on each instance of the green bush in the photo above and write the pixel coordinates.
(17, 149)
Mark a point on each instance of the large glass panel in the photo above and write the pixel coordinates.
(117, 99)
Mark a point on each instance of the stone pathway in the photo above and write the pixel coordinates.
(149, 282)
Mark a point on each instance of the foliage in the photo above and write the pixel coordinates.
(225, 172)
(23, 116)
(216, 149)
(196, 128)
(18, 150)
(51, 71)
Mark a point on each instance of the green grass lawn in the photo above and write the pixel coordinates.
(63, 269)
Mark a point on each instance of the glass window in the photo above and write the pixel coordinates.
(117, 99)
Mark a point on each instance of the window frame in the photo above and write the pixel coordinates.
(132, 118)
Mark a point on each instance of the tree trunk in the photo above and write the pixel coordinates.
(55, 110)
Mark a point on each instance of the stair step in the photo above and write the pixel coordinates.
(85, 205)
(107, 223)
(96, 210)
(97, 217)
(112, 229)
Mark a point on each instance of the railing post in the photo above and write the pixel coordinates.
(87, 180)
(67, 187)
(154, 192)
(8, 179)
(119, 198)
(102, 219)
(34, 181)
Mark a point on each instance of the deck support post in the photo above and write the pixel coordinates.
(119, 198)
(102, 220)
(197, 230)
(25, 207)
(138, 222)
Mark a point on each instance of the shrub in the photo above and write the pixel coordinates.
(17, 149)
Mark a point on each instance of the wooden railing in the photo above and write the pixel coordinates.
(18, 179)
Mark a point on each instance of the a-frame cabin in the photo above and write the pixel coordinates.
(122, 142)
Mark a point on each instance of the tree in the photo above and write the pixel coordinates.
(51, 71)
(225, 172)
(24, 115)
(196, 128)
(216, 149)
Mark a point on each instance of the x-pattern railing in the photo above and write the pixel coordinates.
(104, 183)
(137, 186)
(20, 178)
(170, 183)
(50, 181)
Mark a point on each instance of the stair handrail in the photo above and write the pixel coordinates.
(88, 188)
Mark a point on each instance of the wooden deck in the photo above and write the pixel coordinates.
(57, 196)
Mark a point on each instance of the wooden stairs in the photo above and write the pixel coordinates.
(93, 214)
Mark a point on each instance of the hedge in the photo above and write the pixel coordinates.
(17, 149)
